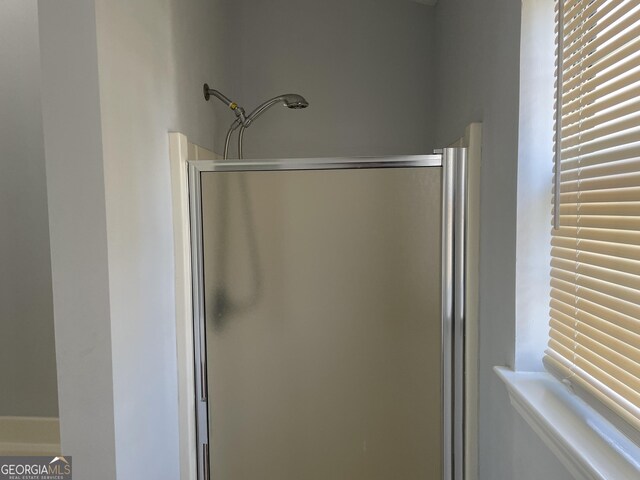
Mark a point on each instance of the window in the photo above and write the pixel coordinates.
(594, 340)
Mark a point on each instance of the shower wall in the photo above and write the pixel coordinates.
(365, 66)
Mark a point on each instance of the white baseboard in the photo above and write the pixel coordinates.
(29, 436)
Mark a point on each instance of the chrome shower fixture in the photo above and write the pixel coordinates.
(295, 101)
(238, 110)
(289, 100)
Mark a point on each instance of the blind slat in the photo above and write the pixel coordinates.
(602, 183)
(614, 263)
(602, 196)
(613, 209)
(614, 236)
(617, 223)
(627, 152)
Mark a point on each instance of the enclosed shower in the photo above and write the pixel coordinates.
(328, 314)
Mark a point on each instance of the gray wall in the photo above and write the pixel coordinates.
(153, 58)
(75, 187)
(27, 346)
(478, 64)
(366, 67)
(118, 77)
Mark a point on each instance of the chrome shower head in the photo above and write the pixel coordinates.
(294, 101)
(289, 100)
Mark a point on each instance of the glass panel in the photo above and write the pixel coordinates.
(323, 324)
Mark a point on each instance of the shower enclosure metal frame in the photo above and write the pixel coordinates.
(453, 162)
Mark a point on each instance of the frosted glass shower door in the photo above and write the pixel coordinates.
(323, 323)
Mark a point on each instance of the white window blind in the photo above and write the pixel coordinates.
(594, 340)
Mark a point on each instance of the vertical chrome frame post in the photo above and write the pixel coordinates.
(200, 350)
(459, 312)
(454, 203)
(448, 226)
(454, 186)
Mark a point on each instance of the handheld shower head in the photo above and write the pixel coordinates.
(294, 101)
(289, 100)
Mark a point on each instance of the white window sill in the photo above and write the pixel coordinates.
(588, 445)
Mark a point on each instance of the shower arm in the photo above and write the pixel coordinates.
(238, 110)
